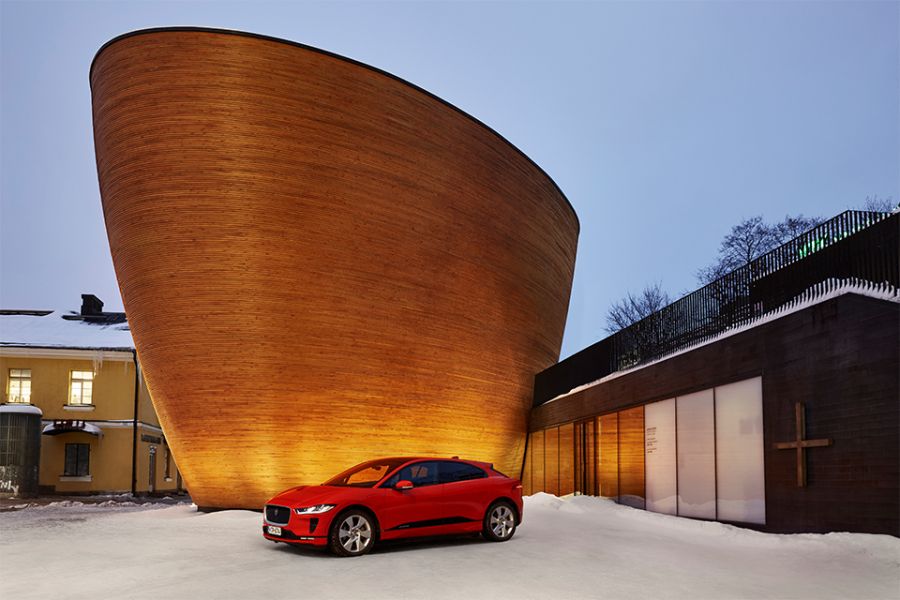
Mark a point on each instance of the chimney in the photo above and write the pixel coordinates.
(91, 305)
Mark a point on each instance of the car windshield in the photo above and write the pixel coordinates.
(367, 474)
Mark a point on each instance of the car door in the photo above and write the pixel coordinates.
(464, 493)
(412, 512)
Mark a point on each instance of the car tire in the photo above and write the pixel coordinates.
(352, 533)
(499, 522)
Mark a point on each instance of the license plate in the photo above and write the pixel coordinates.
(273, 530)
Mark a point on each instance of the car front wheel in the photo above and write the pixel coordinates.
(353, 534)
(499, 522)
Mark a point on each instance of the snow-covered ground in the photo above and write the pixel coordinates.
(573, 548)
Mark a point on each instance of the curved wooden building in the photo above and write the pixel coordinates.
(321, 263)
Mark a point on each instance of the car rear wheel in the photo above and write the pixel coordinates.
(353, 534)
(499, 522)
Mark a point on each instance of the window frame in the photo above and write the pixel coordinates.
(19, 380)
(396, 474)
(82, 451)
(392, 468)
(81, 381)
(482, 473)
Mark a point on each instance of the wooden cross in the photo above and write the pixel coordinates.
(801, 445)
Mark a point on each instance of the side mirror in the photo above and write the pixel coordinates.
(403, 485)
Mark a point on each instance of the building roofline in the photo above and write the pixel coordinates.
(861, 292)
(268, 38)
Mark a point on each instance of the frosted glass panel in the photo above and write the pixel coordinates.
(739, 452)
(696, 455)
(659, 441)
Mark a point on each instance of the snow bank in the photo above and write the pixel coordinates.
(577, 547)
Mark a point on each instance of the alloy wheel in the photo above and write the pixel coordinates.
(502, 521)
(355, 533)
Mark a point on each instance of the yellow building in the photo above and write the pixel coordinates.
(100, 432)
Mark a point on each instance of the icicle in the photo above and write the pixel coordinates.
(97, 361)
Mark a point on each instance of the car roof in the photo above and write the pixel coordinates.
(406, 459)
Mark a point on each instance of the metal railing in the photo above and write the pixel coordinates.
(853, 247)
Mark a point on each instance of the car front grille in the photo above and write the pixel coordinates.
(278, 515)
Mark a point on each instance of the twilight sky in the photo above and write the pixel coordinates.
(663, 122)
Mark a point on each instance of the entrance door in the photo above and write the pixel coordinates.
(152, 487)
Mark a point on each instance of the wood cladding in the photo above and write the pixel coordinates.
(608, 467)
(538, 480)
(631, 457)
(585, 458)
(551, 461)
(321, 264)
(527, 467)
(566, 459)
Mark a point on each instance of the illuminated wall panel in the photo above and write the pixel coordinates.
(608, 457)
(659, 436)
(696, 455)
(739, 452)
(566, 459)
(631, 457)
(306, 245)
(579, 459)
(538, 481)
(551, 461)
(590, 458)
(585, 464)
(526, 469)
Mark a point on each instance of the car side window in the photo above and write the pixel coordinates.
(451, 472)
(422, 473)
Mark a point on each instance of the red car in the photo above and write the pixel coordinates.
(393, 498)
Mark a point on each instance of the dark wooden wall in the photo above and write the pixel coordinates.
(841, 358)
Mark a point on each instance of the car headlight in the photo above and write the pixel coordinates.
(314, 510)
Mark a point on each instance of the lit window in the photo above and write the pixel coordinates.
(81, 387)
(19, 386)
(78, 460)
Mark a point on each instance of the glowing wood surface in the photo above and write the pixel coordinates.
(321, 264)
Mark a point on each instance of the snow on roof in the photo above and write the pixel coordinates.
(52, 331)
(862, 289)
(56, 428)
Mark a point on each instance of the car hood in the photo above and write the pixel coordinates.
(310, 496)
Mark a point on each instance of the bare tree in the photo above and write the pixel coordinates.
(634, 307)
(750, 239)
(876, 204)
(791, 227)
(645, 327)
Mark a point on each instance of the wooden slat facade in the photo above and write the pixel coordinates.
(538, 478)
(566, 459)
(551, 461)
(321, 264)
(631, 457)
(608, 457)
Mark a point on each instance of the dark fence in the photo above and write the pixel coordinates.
(853, 248)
